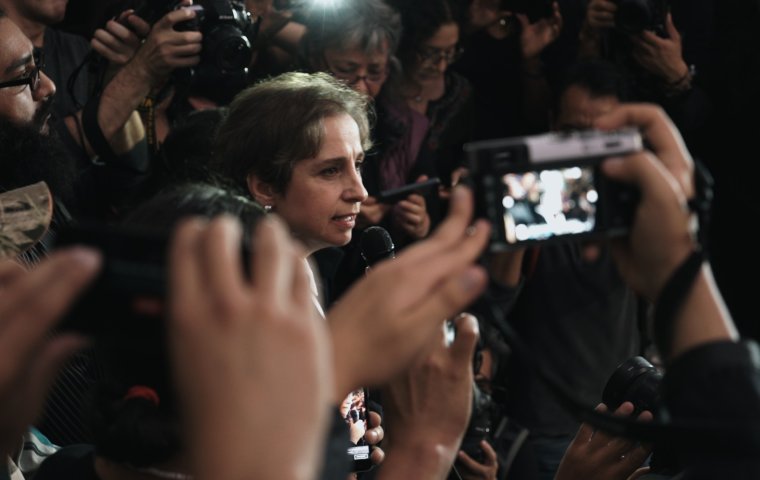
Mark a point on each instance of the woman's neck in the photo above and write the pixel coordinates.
(418, 95)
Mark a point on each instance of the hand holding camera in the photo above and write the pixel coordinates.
(166, 49)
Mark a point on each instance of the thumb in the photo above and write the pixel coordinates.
(421, 179)
(466, 338)
(523, 19)
(671, 28)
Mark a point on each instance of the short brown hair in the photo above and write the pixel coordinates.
(278, 122)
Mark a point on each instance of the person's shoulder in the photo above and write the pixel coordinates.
(75, 461)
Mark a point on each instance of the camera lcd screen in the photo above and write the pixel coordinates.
(542, 204)
(354, 412)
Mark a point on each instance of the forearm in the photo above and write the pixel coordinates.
(703, 317)
(122, 96)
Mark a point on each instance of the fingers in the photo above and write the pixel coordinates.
(455, 294)
(140, 26)
(489, 452)
(45, 367)
(168, 21)
(375, 434)
(377, 456)
(273, 268)
(471, 464)
(661, 134)
(221, 265)
(466, 338)
(10, 271)
(186, 285)
(24, 319)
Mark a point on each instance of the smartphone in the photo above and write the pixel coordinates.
(549, 188)
(395, 195)
(356, 415)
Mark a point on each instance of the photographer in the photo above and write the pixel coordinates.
(664, 48)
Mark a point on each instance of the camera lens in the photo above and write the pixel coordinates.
(636, 381)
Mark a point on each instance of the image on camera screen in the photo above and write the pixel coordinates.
(354, 412)
(542, 204)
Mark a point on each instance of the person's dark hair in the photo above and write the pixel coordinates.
(278, 123)
(132, 429)
(365, 24)
(420, 20)
(599, 77)
(2, 12)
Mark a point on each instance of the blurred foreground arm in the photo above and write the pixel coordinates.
(30, 304)
(251, 361)
(428, 408)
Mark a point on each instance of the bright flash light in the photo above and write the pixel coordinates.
(327, 3)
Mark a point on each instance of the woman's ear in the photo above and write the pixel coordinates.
(261, 191)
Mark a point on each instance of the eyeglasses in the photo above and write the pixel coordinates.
(33, 77)
(434, 56)
(351, 76)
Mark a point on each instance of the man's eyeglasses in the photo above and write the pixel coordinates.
(434, 56)
(351, 75)
(32, 78)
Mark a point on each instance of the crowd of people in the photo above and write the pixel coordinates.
(217, 164)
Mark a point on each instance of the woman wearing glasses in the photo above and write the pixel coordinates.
(429, 45)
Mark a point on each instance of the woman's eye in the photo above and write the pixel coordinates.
(330, 171)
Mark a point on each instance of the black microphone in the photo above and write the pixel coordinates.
(376, 245)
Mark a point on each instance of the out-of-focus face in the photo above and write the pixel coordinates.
(437, 53)
(364, 72)
(19, 104)
(578, 109)
(322, 200)
(48, 12)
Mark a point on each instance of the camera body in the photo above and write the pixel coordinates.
(550, 187)
(228, 33)
(636, 16)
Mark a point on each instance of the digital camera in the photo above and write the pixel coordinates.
(228, 34)
(550, 187)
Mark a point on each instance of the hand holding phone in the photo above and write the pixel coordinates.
(395, 195)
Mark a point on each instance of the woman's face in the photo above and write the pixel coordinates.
(322, 200)
(437, 53)
(364, 72)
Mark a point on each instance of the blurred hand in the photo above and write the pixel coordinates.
(596, 455)
(535, 37)
(662, 233)
(661, 56)
(470, 469)
(411, 214)
(120, 39)
(247, 353)
(30, 358)
(398, 307)
(371, 213)
(165, 49)
(600, 14)
(428, 406)
(375, 434)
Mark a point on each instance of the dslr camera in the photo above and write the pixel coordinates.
(228, 33)
(636, 16)
(550, 187)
